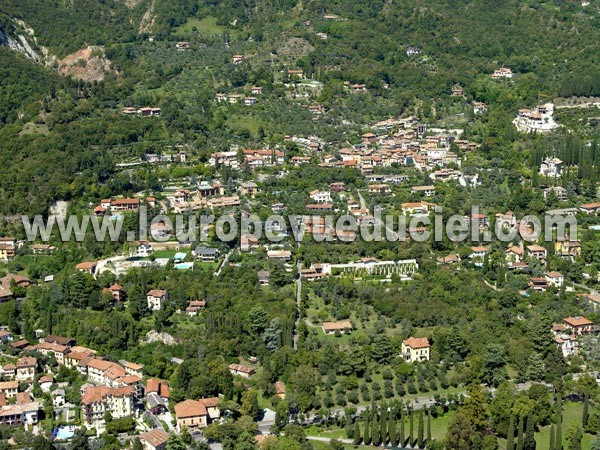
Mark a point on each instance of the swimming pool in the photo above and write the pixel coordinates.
(64, 432)
(184, 266)
(179, 256)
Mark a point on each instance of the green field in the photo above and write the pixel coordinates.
(208, 25)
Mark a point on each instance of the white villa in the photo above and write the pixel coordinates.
(539, 120)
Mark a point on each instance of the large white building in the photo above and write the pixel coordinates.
(540, 120)
(98, 400)
(551, 167)
(321, 196)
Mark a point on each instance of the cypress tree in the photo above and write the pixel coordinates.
(376, 432)
(520, 434)
(428, 427)
(586, 411)
(402, 436)
(529, 442)
(558, 437)
(411, 428)
(552, 443)
(367, 433)
(420, 430)
(383, 423)
(510, 437)
(357, 438)
(392, 430)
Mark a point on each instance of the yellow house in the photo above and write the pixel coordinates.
(191, 414)
(9, 388)
(8, 246)
(415, 349)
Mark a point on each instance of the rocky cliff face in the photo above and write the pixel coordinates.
(21, 38)
(88, 64)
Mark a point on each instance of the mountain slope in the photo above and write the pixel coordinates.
(67, 26)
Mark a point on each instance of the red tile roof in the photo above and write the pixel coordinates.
(578, 321)
(190, 408)
(415, 343)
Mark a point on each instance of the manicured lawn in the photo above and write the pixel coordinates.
(165, 253)
(206, 265)
(438, 430)
(317, 445)
(572, 413)
(439, 426)
(335, 433)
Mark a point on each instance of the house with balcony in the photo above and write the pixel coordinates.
(8, 248)
(415, 349)
(9, 389)
(96, 401)
(567, 344)
(514, 254)
(578, 325)
(555, 279)
(25, 369)
(537, 251)
(502, 73)
(156, 298)
(191, 415)
(539, 284)
(24, 413)
(321, 196)
(427, 191)
(478, 255)
(551, 167)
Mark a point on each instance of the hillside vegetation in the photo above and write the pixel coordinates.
(549, 45)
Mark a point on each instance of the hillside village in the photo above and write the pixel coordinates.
(55, 379)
